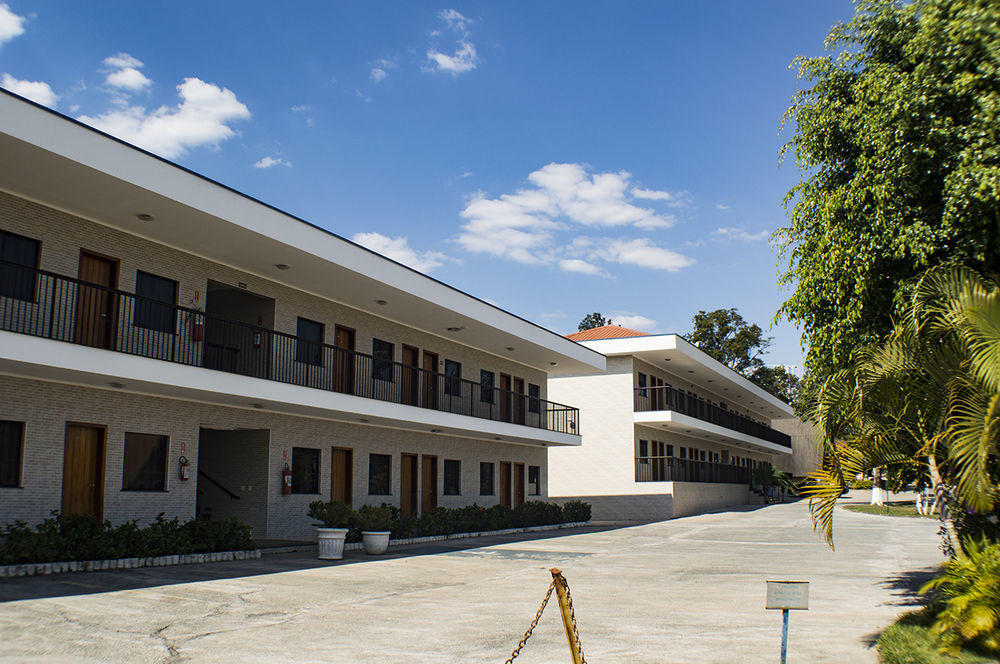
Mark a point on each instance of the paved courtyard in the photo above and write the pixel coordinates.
(687, 590)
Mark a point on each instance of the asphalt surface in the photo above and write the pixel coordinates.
(686, 590)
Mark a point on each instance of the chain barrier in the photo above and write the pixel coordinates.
(531, 627)
(557, 578)
(572, 617)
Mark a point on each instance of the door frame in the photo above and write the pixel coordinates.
(428, 491)
(102, 462)
(112, 328)
(350, 471)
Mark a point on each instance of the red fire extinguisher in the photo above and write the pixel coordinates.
(197, 328)
(185, 468)
(286, 481)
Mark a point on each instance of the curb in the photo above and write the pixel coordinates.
(39, 569)
(357, 546)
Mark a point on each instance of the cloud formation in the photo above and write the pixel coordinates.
(380, 69)
(11, 25)
(201, 118)
(37, 91)
(463, 57)
(524, 226)
(124, 74)
(633, 321)
(268, 162)
(398, 249)
(730, 234)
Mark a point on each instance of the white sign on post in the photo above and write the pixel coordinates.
(787, 595)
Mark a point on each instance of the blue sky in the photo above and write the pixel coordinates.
(554, 158)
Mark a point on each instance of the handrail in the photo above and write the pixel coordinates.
(183, 335)
(675, 469)
(202, 473)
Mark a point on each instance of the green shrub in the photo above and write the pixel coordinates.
(475, 518)
(904, 643)
(861, 484)
(376, 519)
(333, 514)
(537, 513)
(575, 511)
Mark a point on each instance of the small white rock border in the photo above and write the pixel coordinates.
(357, 546)
(39, 569)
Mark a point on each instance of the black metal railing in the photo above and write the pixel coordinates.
(673, 469)
(49, 305)
(670, 398)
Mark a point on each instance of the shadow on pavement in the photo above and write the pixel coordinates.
(84, 583)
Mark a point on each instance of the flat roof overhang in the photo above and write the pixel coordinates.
(44, 359)
(61, 163)
(686, 425)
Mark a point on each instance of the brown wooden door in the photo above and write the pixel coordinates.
(411, 376)
(505, 405)
(518, 398)
(342, 475)
(429, 483)
(97, 309)
(343, 339)
(430, 380)
(408, 486)
(83, 470)
(518, 484)
(505, 483)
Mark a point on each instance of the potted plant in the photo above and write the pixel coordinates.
(334, 521)
(376, 524)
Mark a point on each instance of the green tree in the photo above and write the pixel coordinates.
(590, 321)
(779, 382)
(724, 335)
(897, 135)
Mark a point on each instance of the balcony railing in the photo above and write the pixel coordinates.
(669, 398)
(49, 305)
(673, 469)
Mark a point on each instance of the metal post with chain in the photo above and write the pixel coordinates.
(565, 600)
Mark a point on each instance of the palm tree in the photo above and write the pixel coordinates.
(924, 403)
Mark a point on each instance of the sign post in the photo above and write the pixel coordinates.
(786, 595)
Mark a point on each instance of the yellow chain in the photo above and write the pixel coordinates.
(531, 627)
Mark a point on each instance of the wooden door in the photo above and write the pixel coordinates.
(343, 339)
(83, 470)
(429, 483)
(659, 463)
(97, 309)
(505, 406)
(518, 484)
(430, 380)
(505, 483)
(342, 475)
(518, 398)
(411, 376)
(408, 486)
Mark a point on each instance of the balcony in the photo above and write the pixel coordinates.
(668, 398)
(43, 304)
(672, 469)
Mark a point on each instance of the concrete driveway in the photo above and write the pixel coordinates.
(687, 590)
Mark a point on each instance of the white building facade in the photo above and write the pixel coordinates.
(670, 431)
(170, 345)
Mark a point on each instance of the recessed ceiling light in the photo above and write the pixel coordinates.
(455, 329)
(435, 430)
(256, 406)
(144, 216)
(381, 303)
(510, 348)
(666, 359)
(117, 386)
(552, 364)
(497, 438)
(690, 370)
(710, 380)
(361, 419)
(282, 266)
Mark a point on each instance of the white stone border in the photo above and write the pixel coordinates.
(357, 546)
(35, 569)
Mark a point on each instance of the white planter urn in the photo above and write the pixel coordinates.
(376, 542)
(331, 543)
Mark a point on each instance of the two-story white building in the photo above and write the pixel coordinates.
(168, 344)
(670, 430)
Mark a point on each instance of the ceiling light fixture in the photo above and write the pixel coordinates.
(510, 348)
(283, 266)
(117, 386)
(144, 216)
(455, 329)
(381, 303)
(435, 430)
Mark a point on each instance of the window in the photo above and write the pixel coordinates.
(154, 302)
(670, 450)
(11, 439)
(379, 466)
(486, 381)
(145, 463)
(453, 378)
(452, 477)
(534, 480)
(684, 453)
(14, 281)
(534, 394)
(486, 479)
(309, 345)
(642, 385)
(305, 470)
(703, 455)
(381, 360)
(643, 451)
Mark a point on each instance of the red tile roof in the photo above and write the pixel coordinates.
(605, 332)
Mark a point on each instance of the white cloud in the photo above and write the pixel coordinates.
(461, 61)
(642, 252)
(124, 73)
(456, 22)
(378, 74)
(398, 249)
(633, 321)
(720, 206)
(37, 91)
(380, 68)
(11, 25)
(730, 234)
(202, 118)
(577, 265)
(268, 162)
(122, 61)
(301, 108)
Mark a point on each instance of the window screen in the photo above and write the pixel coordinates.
(452, 477)
(145, 462)
(452, 378)
(486, 479)
(11, 439)
(309, 346)
(534, 480)
(305, 470)
(486, 381)
(379, 466)
(18, 282)
(381, 360)
(154, 302)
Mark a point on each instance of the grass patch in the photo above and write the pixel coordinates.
(910, 641)
(890, 509)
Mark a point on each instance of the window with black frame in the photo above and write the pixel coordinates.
(534, 480)
(487, 379)
(379, 466)
(452, 477)
(534, 396)
(155, 302)
(309, 342)
(642, 386)
(381, 360)
(144, 467)
(486, 471)
(16, 281)
(305, 470)
(11, 442)
(453, 378)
